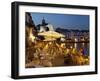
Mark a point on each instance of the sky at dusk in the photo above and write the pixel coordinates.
(66, 21)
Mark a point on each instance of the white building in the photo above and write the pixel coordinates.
(43, 27)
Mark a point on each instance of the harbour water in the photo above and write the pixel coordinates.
(78, 46)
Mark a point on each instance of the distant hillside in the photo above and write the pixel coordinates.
(61, 30)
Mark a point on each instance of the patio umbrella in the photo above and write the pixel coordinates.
(51, 34)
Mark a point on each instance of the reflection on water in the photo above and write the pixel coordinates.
(78, 46)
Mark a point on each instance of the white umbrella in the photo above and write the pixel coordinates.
(51, 34)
